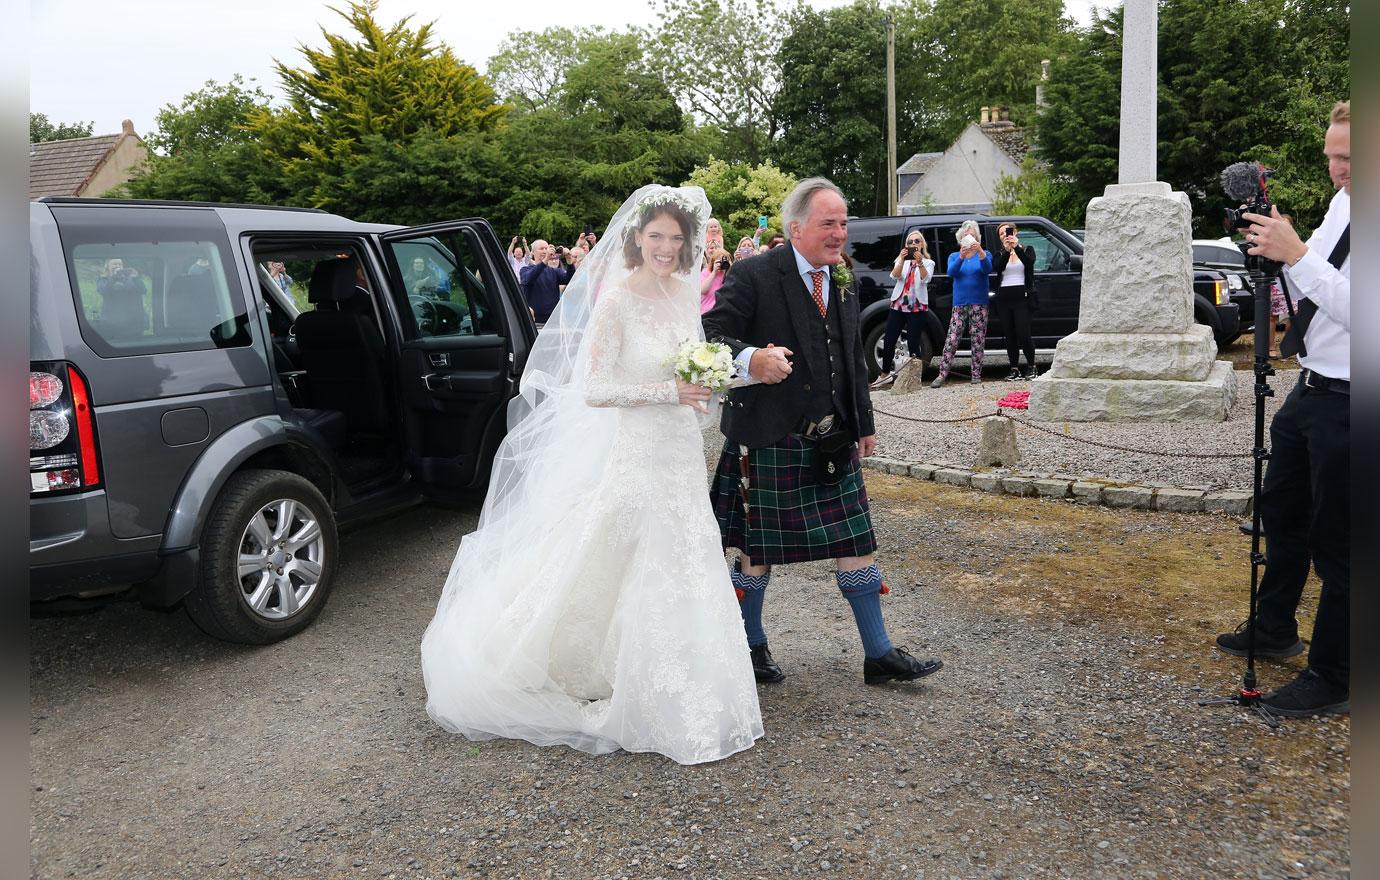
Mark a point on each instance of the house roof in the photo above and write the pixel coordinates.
(1009, 139)
(60, 168)
(919, 163)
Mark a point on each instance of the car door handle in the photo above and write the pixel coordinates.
(439, 358)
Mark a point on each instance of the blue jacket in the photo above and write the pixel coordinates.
(970, 279)
(541, 285)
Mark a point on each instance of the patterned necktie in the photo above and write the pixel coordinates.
(817, 290)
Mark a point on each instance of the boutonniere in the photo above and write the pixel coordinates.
(844, 279)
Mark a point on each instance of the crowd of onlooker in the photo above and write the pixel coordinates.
(543, 269)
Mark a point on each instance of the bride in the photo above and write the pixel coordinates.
(592, 606)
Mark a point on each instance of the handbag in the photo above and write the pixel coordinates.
(833, 456)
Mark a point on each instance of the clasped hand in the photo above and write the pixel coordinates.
(770, 365)
(694, 396)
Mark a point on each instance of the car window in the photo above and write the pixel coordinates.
(145, 297)
(445, 286)
(942, 245)
(1218, 254)
(873, 246)
(1050, 255)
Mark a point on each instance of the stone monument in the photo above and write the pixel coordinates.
(1137, 354)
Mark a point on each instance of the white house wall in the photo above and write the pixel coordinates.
(966, 176)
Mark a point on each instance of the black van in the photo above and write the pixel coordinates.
(874, 242)
(215, 389)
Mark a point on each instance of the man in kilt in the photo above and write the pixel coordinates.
(792, 323)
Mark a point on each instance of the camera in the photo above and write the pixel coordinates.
(1246, 183)
(723, 264)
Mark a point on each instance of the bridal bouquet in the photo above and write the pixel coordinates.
(705, 363)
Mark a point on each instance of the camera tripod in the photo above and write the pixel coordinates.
(1262, 273)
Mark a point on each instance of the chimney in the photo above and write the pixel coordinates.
(986, 115)
(1040, 102)
(127, 126)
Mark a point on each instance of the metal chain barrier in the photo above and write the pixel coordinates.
(1064, 436)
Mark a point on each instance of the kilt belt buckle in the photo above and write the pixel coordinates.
(814, 429)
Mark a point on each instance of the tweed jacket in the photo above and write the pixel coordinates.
(764, 300)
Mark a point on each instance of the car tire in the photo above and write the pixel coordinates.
(1204, 313)
(237, 603)
(872, 345)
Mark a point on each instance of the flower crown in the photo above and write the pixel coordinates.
(674, 198)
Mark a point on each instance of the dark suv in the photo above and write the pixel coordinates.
(874, 242)
(214, 389)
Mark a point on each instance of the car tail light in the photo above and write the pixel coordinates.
(62, 431)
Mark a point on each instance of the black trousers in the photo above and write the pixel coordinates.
(1014, 314)
(896, 320)
(1305, 506)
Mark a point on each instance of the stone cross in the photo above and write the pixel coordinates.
(1139, 104)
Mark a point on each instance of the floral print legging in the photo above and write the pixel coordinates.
(976, 319)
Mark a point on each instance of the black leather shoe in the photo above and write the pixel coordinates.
(1235, 643)
(763, 667)
(898, 665)
(1309, 694)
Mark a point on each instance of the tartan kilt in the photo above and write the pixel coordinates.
(791, 517)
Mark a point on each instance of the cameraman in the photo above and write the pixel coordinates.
(1305, 505)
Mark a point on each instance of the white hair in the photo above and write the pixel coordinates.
(968, 227)
(796, 207)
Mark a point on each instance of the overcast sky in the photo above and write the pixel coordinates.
(103, 61)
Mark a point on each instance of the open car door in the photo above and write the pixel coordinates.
(466, 333)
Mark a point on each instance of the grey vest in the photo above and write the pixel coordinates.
(828, 374)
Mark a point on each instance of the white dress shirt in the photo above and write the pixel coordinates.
(802, 266)
(1328, 339)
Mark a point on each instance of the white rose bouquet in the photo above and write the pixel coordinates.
(705, 363)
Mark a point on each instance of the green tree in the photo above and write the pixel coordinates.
(978, 53)
(42, 129)
(1036, 191)
(529, 69)
(831, 106)
(388, 82)
(204, 151)
(740, 193)
(1214, 108)
(615, 128)
(736, 67)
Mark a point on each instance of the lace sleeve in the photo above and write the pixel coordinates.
(604, 386)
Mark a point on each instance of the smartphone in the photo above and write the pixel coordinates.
(589, 227)
(761, 221)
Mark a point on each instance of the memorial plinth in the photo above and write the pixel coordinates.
(1137, 354)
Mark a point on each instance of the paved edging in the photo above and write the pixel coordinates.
(1082, 490)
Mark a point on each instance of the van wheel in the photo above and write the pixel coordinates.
(872, 345)
(1205, 313)
(268, 557)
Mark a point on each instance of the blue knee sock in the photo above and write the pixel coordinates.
(862, 588)
(754, 592)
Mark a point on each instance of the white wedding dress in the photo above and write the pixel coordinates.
(594, 609)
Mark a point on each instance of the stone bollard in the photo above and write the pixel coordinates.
(910, 377)
(998, 446)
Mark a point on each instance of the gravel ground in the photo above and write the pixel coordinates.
(1041, 451)
(1060, 740)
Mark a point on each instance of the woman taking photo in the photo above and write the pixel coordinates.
(910, 299)
(968, 269)
(1013, 288)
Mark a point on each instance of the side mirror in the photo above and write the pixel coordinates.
(1076, 262)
